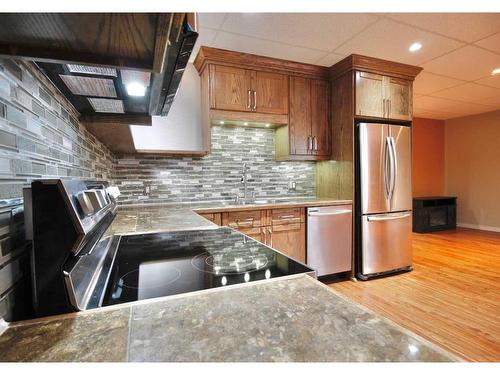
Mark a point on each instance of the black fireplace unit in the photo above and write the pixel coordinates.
(434, 213)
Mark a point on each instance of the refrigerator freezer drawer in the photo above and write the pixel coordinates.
(386, 242)
(329, 239)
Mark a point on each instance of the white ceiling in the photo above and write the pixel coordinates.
(458, 54)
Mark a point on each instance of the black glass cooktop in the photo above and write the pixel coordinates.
(163, 264)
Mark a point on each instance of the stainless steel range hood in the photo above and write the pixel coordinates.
(182, 39)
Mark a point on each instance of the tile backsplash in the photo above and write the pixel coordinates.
(40, 136)
(217, 176)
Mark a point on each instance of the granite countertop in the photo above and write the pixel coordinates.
(153, 218)
(289, 319)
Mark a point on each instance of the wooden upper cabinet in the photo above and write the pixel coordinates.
(398, 95)
(231, 88)
(270, 92)
(309, 118)
(245, 90)
(300, 116)
(383, 96)
(369, 94)
(320, 117)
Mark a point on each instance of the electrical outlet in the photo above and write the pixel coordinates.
(292, 185)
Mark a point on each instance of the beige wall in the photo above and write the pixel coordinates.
(472, 168)
(428, 157)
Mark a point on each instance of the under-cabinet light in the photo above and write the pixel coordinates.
(496, 71)
(221, 122)
(268, 125)
(245, 123)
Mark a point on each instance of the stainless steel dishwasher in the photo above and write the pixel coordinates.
(329, 239)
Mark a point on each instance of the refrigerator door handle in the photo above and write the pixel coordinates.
(387, 168)
(393, 167)
(387, 217)
(392, 170)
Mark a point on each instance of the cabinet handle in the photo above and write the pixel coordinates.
(270, 237)
(255, 100)
(388, 107)
(248, 220)
(249, 99)
(383, 107)
(315, 143)
(309, 143)
(286, 216)
(264, 234)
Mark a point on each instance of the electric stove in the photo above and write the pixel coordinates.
(163, 264)
(76, 265)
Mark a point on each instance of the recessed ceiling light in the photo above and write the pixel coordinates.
(136, 89)
(268, 125)
(415, 47)
(245, 123)
(221, 122)
(495, 71)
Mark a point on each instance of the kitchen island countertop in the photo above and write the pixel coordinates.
(289, 319)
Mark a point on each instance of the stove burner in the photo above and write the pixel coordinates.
(168, 276)
(229, 263)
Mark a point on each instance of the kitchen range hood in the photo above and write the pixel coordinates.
(107, 64)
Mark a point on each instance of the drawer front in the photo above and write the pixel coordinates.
(244, 219)
(283, 216)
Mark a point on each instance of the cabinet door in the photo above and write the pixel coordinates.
(369, 95)
(213, 217)
(231, 88)
(398, 93)
(290, 239)
(255, 233)
(299, 124)
(320, 117)
(270, 93)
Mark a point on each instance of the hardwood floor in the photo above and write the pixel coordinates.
(452, 297)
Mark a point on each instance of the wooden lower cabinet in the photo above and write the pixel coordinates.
(256, 233)
(290, 239)
(282, 229)
(213, 217)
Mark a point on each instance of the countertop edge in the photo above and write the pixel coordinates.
(416, 336)
(267, 206)
(24, 323)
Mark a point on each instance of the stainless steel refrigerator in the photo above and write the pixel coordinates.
(385, 199)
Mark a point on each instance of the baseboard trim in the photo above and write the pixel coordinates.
(480, 227)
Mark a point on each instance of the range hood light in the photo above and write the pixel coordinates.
(136, 89)
(495, 72)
